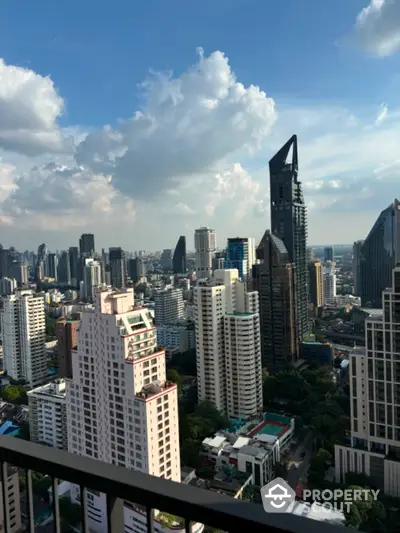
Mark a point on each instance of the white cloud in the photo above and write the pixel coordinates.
(195, 153)
(58, 197)
(377, 27)
(186, 127)
(382, 115)
(29, 109)
(235, 186)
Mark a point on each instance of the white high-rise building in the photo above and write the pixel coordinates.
(228, 345)
(205, 244)
(374, 375)
(48, 415)
(168, 306)
(120, 407)
(92, 277)
(23, 330)
(329, 280)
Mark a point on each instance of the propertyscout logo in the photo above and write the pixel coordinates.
(278, 497)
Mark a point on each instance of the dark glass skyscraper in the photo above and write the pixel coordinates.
(378, 256)
(86, 244)
(64, 269)
(118, 268)
(289, 223)
(179, 265)
(272, 277)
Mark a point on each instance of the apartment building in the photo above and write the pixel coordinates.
(48, 414)
(168, 306)
(120, 407)
(205, 243)
(23, 328)
(374, 447)
(228, 344)
(13, 504)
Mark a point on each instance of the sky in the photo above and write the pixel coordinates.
(141, 121)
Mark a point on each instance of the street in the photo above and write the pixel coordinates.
(295, 475)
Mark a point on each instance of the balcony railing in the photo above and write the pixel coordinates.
(194, 505)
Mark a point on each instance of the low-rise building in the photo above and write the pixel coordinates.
(13, 507)
(48, 416)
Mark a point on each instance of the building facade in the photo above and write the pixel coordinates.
(48, 415)
(92, 277)
(241, 254)
(117, 268)
(356, 265)
(168, 306)
(289, 224)
(23, 328)
(120, 407)
(374, 377)
(13, 504)
(272, 278)
(205, 244)
(315, 284)
(67, 338)
(379, 254)
(329, 280)
(228, 340)
(179, 264)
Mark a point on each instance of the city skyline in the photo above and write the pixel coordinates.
(182, 138)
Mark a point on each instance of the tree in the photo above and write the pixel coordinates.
(24, 432)
(14, 394)
(70, 513)
(318, 467)
(280, 470)
(174, 376)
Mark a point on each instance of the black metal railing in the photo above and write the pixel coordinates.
(119, 484)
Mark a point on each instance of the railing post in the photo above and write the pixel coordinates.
(29, 501)
(55, 502)
(4, 490)
(115, 515)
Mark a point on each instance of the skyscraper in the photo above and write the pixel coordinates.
(67, 336)
(329, 280)
(315, 284)
(205, 244)
(64, 269)
(23, 328)
(168, 306)
(289, 224)
(51, 266)
(74, 264)
(379, 254)
(86, 244)
(272, 277)
(92, 277)
(40, 263)
(117, 268)
(179, 258)
(357, 246)
(374, 447)
(120, 407)
(241, 254)
(135, 269)
(228, 344)
(328, 253)
(166, 260)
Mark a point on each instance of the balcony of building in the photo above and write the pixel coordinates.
(152, 495)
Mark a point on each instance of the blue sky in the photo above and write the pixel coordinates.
(329, 76)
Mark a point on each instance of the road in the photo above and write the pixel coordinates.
(295, 475)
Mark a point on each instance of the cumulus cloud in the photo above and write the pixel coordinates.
(185, 127)
(29, 109)
(58, 197)
(377, 27)
(232, 183)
